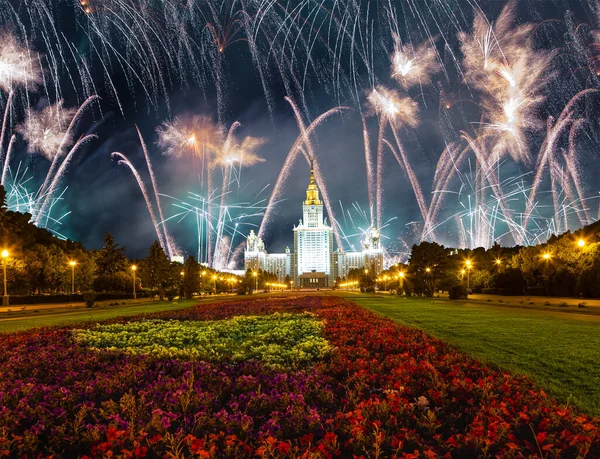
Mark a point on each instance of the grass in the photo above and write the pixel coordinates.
(559, 351)
(63, 317)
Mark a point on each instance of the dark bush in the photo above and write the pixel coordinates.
(510, 281)
(119, 282)
(50, 299)
(171, 293)
(457, 292)
(89, 297)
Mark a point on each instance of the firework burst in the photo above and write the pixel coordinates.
(45, 130)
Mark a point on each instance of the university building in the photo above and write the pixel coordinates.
(313, 263)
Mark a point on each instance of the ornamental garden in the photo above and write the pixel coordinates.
(295, 376)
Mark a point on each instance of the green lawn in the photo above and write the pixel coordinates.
(62, 317)
(560, 351)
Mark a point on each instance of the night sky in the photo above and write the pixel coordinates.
(103, 196)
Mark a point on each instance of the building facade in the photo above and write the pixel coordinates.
(314, 263)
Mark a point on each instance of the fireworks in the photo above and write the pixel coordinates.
(413, 66)
(488, 90)
(45, 131)
(17, 66)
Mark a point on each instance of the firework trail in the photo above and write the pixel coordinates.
(46, 132)
(145, 50)
(289, 163)
(167, 241)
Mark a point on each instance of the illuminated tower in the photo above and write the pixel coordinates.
(313, 242)
(372, 251)
(255, 255)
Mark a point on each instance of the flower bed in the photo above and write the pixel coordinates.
(383, 391)
(283, 340)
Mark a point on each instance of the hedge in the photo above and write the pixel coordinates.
(49, 299)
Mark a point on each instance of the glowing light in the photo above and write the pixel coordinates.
(5, 253)
(581, 243)
(18, 67)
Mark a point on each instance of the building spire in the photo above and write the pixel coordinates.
(312, 192)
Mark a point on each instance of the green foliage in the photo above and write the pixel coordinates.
(111, 258)
(457, 292)
(365, 278)
(191, 278)
(118, 282)
(155, 269)
(428, 263)
(90, 297)
(279, 340)
(510, 280)
(171, 293)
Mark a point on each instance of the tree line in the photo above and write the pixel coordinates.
(566, 265)
(38, 263)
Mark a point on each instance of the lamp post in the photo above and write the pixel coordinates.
(428, 282)
(72, 264)
(255, 274)
(385, 279)
(468, 264)
(133, 270)
(4, 263)
(401, 276)
(202, 274)
(581, 243)
(215, 280)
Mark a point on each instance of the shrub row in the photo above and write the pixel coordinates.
(49, 299)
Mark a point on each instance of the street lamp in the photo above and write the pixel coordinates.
(581, 243)
(468, 263)
(385, 279)
(215, 280)
(401, 276)
(72, 264)
(255, 274)
(202, 274)
(133, 270)
(4, 262)
(546, 256)
(498, 261)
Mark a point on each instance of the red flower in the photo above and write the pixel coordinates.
(283, 448)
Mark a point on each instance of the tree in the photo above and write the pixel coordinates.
(191, 277)
(155, 269)
(428, 263)
(111, 258)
